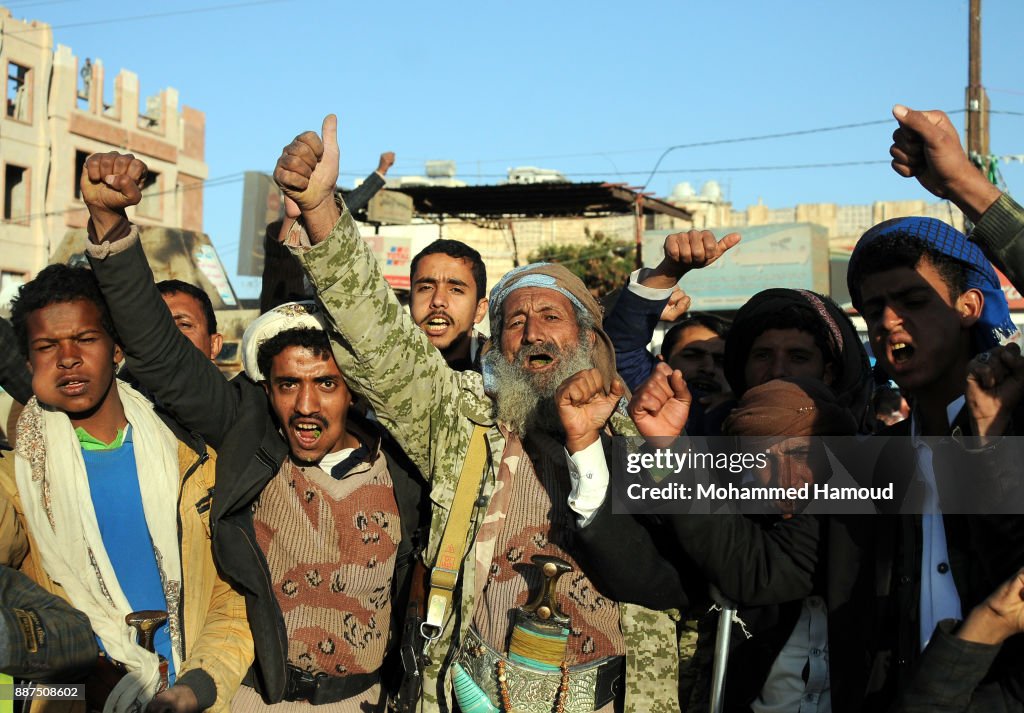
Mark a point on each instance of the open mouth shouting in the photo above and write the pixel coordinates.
(900, 352)
(436, 323)
(307, 430)
(537, 358)
(707, 386)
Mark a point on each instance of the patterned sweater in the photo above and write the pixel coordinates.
(330, 545)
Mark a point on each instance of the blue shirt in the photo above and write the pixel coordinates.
(117, 500)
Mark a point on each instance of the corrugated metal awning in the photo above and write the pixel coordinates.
(534, 200)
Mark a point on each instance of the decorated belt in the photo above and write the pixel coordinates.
(579, 689)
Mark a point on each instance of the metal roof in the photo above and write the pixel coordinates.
(534, 200)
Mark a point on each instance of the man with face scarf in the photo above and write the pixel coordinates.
(781, 332)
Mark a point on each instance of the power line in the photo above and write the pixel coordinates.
(34, 3)
(211, 183)
(713, 142)
(765, 137)
(583, 154)
(698, 144)
(1005, 91)
(712, 169)
(170, 13)
(785, 167)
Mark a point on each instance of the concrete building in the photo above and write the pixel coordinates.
(844, 224)
(56, 114)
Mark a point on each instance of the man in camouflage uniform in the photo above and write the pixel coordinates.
(544, 322)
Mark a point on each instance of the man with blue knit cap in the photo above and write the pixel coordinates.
(935, 315)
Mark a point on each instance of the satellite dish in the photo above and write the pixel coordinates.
(711, 191)
(683, 192)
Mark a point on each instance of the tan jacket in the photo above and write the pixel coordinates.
(217, 637)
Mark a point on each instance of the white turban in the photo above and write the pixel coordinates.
(291, 315)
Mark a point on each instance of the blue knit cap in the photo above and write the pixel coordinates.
(994, 327)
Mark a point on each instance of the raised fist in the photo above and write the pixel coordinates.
(926, 146)
(387, 160)
(661, 405)
(584, 407)
(110, 183)
(995, 383)
(678, 305)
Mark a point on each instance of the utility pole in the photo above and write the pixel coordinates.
(638, 223)
(977, 99)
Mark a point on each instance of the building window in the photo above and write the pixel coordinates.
(150, 205)
(15, 193)
(80, 157)
(19, 94)
(9, 284)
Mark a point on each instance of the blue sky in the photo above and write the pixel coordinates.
(597, 90)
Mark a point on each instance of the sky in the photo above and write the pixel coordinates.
(596, 90)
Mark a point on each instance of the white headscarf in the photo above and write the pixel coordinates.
(54, 489)
(291, 315)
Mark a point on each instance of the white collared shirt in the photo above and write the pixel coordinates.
(648, 293)
(588, 474)
(939, 598)
(806, 650)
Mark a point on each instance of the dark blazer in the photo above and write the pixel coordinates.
(984, 550)
(765, 565)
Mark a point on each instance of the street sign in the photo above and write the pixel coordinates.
(389, 208)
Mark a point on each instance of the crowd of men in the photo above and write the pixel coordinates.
(388, 511)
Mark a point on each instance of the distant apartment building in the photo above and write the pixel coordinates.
(844, 224)
(55, 115)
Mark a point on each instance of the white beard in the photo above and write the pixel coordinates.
(525, 401)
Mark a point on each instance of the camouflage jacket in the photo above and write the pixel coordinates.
(431, 410)
(1000, 234)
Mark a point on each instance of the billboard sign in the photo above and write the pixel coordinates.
(794, 255)
(261, 205)
(394, 255)
(389, 208)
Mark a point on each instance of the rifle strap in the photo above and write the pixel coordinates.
(445, 573)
